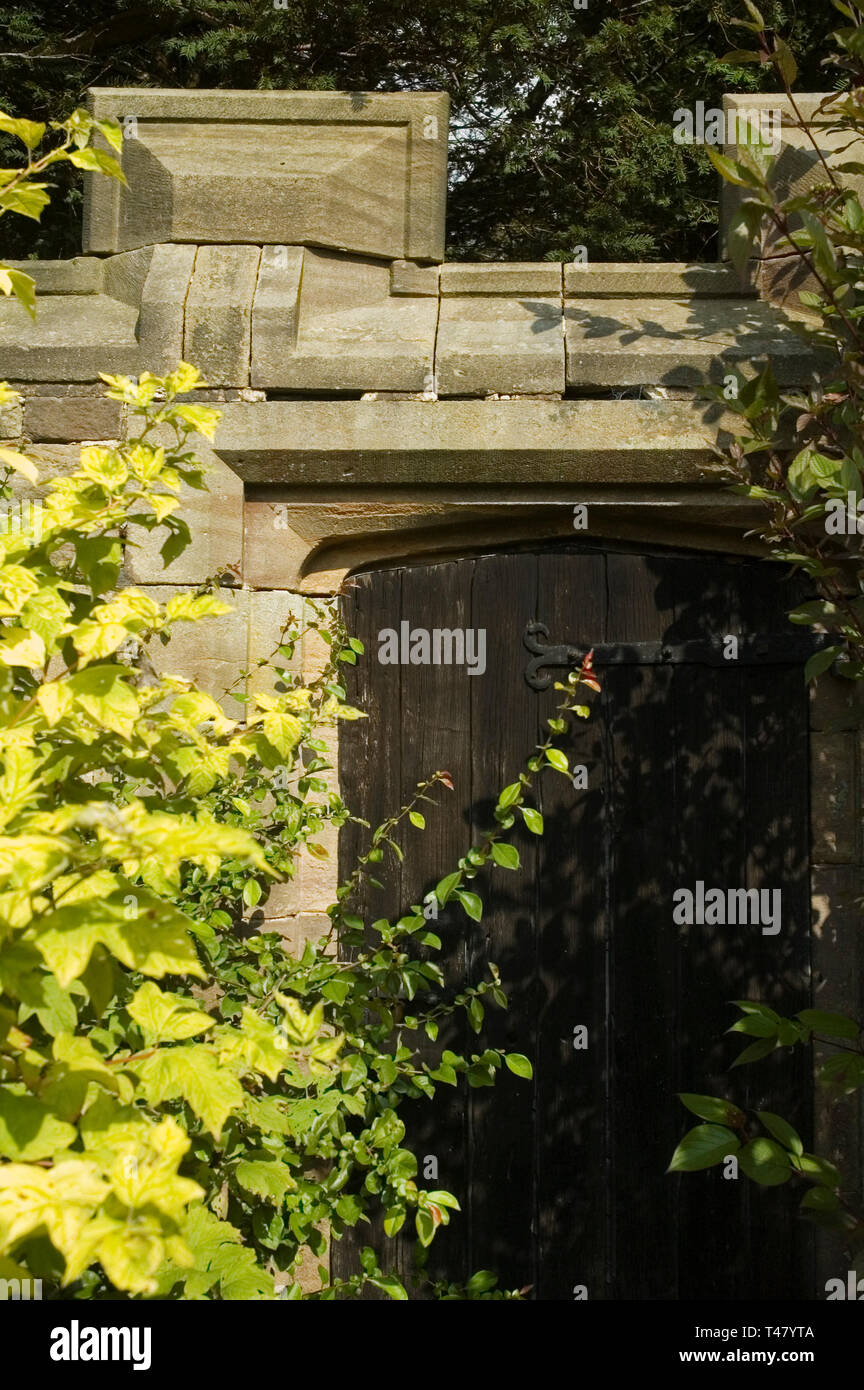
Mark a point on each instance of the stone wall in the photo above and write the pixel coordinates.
(378, 404)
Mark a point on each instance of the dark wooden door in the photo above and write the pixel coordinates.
(696, 771)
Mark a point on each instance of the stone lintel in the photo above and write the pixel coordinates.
(330, 444)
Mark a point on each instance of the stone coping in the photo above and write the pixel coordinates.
(308, 320)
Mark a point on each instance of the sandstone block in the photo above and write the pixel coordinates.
(407, 277)
(297, 930)
(276, 311)
(283, 902)
(215, 518)
(836, 704)
(349, 334)
(361, 172)
(11, 420)
(211, 652)
(219, 313)
(73, 338)
(833, 780)
(79, 275)
(495, 343)
(796, 169)
(72, 417)
(677, 342)
(163, 299)
(502, 277)
(270, 610)
(649, 280)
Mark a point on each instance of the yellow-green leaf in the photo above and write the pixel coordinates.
(164, 1017)
(28, 1129)
(192, 1074)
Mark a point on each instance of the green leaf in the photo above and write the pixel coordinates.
(782, 1131)
(729, 169)
(755, 14)
(820, 661)
(389, 1284)
(510, 795)
(471, 903)
(22, 286)
(835, 1025)
(425, 1226)
(27, 199)
(103, 693)
(394, 1220)
(784, 61)
(557, 759)
(519, 1065)
(481, 1282)
(819, 1170)
(29, 133)
(268, 1179)
(533, 820)
(507, 856)
(702, 1147)
(820, 1199)
(445, 1074)
(721, 1112)
(443, 1199)
(742, 232)
(756, 1051)
(445, 888)
(221, 1262)
(251, 892)
(417, 819)
(765, 1162)
(751, 1006)
(753, 1026)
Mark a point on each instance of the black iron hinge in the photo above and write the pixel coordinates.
(766, 649)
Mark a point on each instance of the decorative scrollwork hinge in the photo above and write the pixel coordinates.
(546, 655)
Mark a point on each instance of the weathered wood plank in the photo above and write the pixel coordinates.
(572, 1140)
